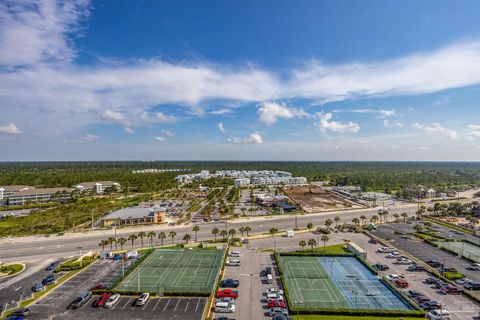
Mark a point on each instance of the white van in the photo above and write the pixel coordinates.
(234, 253)
(438, 315)
(233, 263)
(290, 233)
(269, 279)
(224, 307)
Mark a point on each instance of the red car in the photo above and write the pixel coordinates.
(101, 300)
(227, 293)
(276, 304)
(451, 290)
(401, 283)
(421, 299)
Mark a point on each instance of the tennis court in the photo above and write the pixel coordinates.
(336, 283)
(463, 248)
(167, 271)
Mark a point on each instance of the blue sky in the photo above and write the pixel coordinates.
(239, 80)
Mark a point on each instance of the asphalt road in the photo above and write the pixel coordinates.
(67, 245)
(423, 251)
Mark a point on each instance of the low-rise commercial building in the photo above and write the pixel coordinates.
(99, 186)
(41, 195)
(135, 216)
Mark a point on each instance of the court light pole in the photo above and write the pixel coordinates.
(331, 267)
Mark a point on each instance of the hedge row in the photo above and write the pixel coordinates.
(316, 254)
(74, 264)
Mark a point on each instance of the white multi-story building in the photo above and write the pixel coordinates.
(99, 187)
(241, 182)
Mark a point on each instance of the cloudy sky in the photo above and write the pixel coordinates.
(239, 80)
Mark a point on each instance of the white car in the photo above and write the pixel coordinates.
(384, 250)
(393, 276)
(142, 299)
(233, 263)
(392, 255)
(275, 290)
(438, 315)
(234, 253)
(112, 300)
(274, 296)
(403, 261)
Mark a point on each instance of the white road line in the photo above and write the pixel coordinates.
(156, 304)
(176, 305)
(198, 303)
(186, 307)
(146, 304)
(126, 303)
(166, 304)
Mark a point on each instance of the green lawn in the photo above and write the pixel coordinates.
(11, 269)
(324, 317)
(333, 249)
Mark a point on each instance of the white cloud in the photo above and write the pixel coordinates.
(10, 128)
(326, 124)
(473, 132)
(387, 113)
(436, 129)
(168, 133)
(113, 116)
(221, 127)
(387, 123)
(160, 139)
(128, 130)
(270, 112)
(89, 138)
(253, 138)
(163, 118)
(221, 111)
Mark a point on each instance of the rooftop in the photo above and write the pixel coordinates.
(134, 213)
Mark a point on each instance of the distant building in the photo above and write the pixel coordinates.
(431, 193)
(285, 207)
(241, 182)
(99, 187)
(135, 216)
(7, 191)
(41, 195)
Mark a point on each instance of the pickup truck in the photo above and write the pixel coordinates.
(227, 293)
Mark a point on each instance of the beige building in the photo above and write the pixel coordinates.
(135, 216)
(32, 196)
(98, 186)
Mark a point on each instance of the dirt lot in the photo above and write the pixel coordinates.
(315, 199)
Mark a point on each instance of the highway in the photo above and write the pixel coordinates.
(31, 248)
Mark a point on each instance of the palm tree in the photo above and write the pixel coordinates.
(273, 231)
(187, 237)
(102, 244)
(356, 221)
(363, 218)
(302, 244)
(196, 229)
(247, 230)
(141, 235)
(328, 223)
(132, 238)
(312, 243)
(404, 216)
(151, 235)
(215, 231)
(172, 235)
(232, 232)
(325, 239)
(122, 242)
(337, 220)
(162, 236)
(374, 219)
(224, 234)
(111, 240)
(396, 216)
(242, 230)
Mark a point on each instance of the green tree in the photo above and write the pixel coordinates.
(404, 216)
(162, 237)
(122, 242)
(302, 244)
(273, 231)
(172, 234)
(187, 237)
(325, 239)
(151, 235)
(309, 225)
(132, 238)
(312, 243)
(242, 230)
(215, 231)
(102, 244)
(224, 234)
(111, 241)
(328, 223)
(196, 229)
(232, 232)
(248, 229)
(141, 235)
(363, 218)
(337, 220)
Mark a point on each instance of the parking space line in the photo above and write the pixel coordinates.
(198, 302)
(186, 307)
(87, 302)
(129, 299)
(156, 304)
(146, 304)
(177, 305)
(167, 304)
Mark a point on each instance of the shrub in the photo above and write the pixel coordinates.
(454, 275)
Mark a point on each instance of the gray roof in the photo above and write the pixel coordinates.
(127, 213)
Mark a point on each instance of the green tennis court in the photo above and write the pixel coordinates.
(167, 271)
(462, 248)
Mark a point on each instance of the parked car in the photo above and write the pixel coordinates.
(23, 312)
(438, 314)
(384, 250)
(430, 305)
(280, 317)
(381, 267)
(274, 296)
(393, 255)
(38, 287)
(15, 318)
(277, 311)
(373, 241)
(393, 276)
(434, 263)
(415, 268)
(142, 299)
(233, 263)
(401, 283)
(431, 280)
(49, 280)
(101, 300)
(421, 299)
(268, 270)
(276, 304)
(414, 293)
(229, 283)
(227, 293)
(448, 269)
(403, 261)
(234, 253)
(474, 267)
(112, 300)
(449, 289)
(51, 266)
(471, 285)
(81, 300)
(224, 307)
(274, 290)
